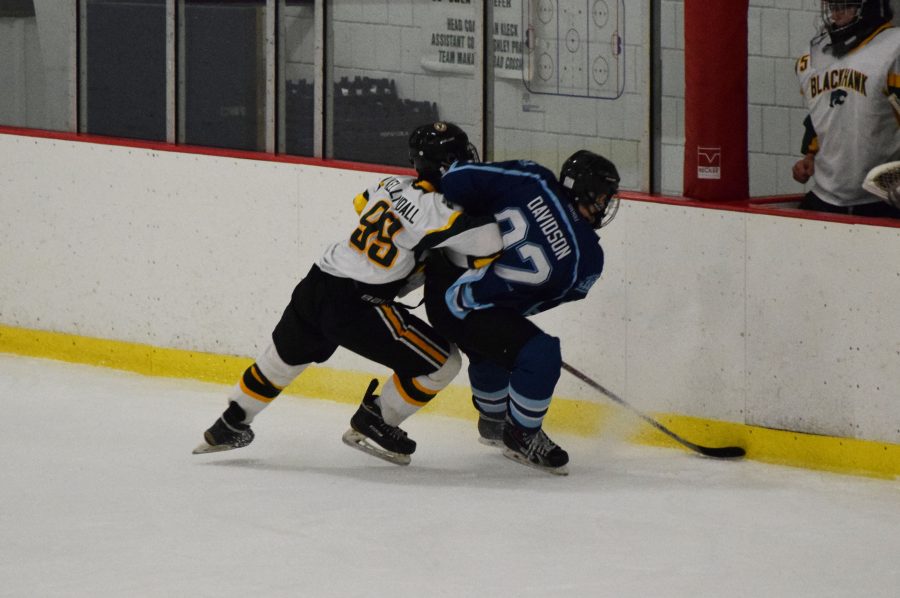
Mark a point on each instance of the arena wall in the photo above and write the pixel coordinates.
(729, 314)
(779, 32)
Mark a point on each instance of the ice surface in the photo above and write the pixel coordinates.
(100, 496)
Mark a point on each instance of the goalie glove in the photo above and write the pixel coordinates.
(893, 196)
(883, 181)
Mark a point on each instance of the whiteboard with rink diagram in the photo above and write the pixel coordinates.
(574, 47)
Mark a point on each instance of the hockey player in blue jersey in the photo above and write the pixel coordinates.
(551, 255)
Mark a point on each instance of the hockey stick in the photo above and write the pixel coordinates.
(723, 452)
(882, 179)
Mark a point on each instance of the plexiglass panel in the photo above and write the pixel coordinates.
(299, 75)
(37, 64)
(125, 58)
(568, 75)
(223, 74)
(397, 65)
(527, 79)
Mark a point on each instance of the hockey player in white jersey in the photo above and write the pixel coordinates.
(850, 80)
(347, 299)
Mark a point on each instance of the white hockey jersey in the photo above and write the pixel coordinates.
(856, 124)
(400, 219)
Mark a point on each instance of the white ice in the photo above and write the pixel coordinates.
(100, 496)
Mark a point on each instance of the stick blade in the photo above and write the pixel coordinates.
(722, 452)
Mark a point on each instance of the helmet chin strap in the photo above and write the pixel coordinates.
(586, 211)
(591, 213)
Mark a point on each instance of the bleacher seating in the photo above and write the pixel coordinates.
(371, 122)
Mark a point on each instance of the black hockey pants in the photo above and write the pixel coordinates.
(326, 311)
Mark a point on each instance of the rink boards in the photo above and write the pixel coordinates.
(737, 323)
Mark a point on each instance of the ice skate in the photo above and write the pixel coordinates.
(371, 434)
(490, 430)
(227, 433)
(535, 449)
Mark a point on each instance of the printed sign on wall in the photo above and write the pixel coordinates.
(449, 37)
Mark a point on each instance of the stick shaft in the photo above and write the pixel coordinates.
(724, 452)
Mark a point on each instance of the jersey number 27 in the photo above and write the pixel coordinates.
(537, 268)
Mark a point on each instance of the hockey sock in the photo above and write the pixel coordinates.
(263, 381)
(403, 396)
(490, 388)
(534, 376)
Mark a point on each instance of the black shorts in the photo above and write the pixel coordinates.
(878, 209)
(327, 311)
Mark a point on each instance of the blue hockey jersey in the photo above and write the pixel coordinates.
(551, 254)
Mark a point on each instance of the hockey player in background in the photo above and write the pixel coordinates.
(551, 255)
(850, 80)
(347, 299)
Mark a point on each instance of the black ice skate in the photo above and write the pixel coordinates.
(227, 433)
(490, 430)
(534, 448)
(371, 434)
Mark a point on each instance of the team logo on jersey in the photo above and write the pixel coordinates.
(847, 79)
(837, 98)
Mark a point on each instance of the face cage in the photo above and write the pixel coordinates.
(440, 165)
(474, 152)
(612, 206)
(831, 6)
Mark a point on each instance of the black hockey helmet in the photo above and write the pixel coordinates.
(593, 182)
(435, 146)
(865, 16)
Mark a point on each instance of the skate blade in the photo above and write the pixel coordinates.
(490, 442)
(361, 442)
(514, 456)
(205, 447)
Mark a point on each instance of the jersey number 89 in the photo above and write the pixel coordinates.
(375, 234)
